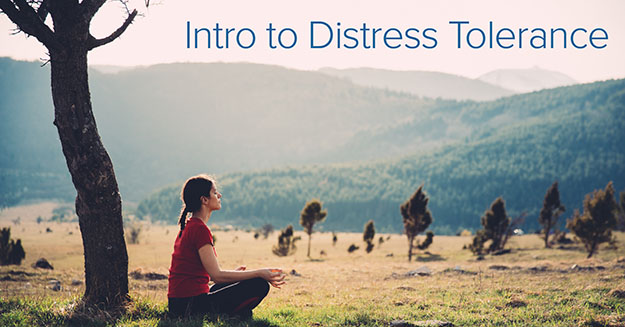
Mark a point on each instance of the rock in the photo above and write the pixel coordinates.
(421, 271)
(577, 267)
(295, 273)
(516, 304)
(48, 230)
(154, 276)
(426, 323)
(479, 258)
(539, 269)
(620, 260)
(498, 267)
(459, 270)
(55, 285)
(406, 288)
(76, 282)
(389, 255)
(619, 294)
(43, 264)
(138, 274)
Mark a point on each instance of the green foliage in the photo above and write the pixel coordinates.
(495, 224)
(286, 243)
(310, 215)
(594, 226)
(552, 209)
(368, 235)
(11, 251)
(416, 217)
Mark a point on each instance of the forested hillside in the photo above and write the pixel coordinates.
(164, 122)
(571, 134)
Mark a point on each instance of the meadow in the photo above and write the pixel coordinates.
(530, 286)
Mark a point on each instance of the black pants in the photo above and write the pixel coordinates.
(234, 299)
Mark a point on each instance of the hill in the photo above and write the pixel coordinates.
(526, 80)
(164, 122)
(570, 134)
(422, 83)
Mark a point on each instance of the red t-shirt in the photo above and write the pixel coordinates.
(187, 276)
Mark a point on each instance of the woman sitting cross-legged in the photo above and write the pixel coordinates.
(194, 263)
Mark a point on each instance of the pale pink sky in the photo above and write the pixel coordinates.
(160, 35)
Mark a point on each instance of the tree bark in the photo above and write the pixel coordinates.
(410, 242)
(98, 202)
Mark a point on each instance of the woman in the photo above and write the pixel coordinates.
(194, 263)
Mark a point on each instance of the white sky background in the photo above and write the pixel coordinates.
(160, 35)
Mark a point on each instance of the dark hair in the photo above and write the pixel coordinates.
(194, 188)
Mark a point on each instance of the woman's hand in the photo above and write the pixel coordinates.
(274, 276)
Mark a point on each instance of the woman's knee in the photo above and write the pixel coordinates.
(259, 286)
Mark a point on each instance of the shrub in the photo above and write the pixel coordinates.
(416, 217)
(11, 251)
(495, 223)
(594, 226)
(352, 248)
(368, 235)
(552, 209)
(286, 243)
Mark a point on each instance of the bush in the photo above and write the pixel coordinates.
(11, 251)
(594, 226)
(368, 235)
(286, 243)
(495, 222)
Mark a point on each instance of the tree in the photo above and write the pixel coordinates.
(594, 226)
(310, 215)
(286, 243)
(98, 202)
(416, 217)
(368, 235)
(495, 223)
(552, 209)
(620, 221)
(429, 238)
(11, 251)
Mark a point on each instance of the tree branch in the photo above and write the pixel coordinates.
(91, 7)
(42, 11)
(28, 21)
(94, 43)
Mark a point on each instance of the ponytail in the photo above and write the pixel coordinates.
(183, 220)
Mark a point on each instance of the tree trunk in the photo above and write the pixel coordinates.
(547, 235)
(98, 202)
(410, 241)
(309, 237)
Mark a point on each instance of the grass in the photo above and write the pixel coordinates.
(537, 288)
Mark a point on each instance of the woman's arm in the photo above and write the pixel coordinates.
(211, 265)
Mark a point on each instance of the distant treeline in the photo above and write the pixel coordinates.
(573, 135)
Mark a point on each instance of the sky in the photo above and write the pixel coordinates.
(160, 35)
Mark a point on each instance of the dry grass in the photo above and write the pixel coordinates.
(537, 288)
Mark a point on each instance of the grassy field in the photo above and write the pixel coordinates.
(531, 286)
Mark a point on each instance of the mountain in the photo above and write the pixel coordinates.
(520, 145)
(422, 83)
(162, 123)
(526, 80)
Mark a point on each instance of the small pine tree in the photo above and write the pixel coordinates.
(495, 224)
(416, 217)
(368, 235)
(11, 251)
(380, 241)
(594, 226)
(334, 239)
(552, 209)
(310, 215)
(286, 243)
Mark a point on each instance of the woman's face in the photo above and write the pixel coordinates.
(214, 201)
